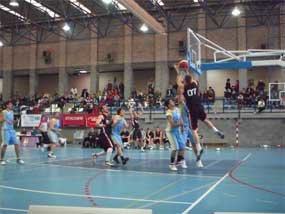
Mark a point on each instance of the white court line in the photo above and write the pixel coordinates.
(15, 210)
(210, 189)
(92, 196)
(125, 171)
(212, 164)
(177, 195)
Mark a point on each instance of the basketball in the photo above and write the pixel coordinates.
(183, 64)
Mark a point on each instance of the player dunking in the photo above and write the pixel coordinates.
(104, 122)
(190, 89)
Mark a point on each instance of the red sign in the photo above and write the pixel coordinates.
(73, 120)
(91, 121)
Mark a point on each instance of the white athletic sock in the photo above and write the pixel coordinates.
(100, 153)
(198, 147)
(215, 129)
(109, 155)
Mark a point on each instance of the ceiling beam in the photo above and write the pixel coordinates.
(144, 16)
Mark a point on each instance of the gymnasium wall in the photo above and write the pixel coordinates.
(48, 83)
(80, 82)
(21, 85)
(77, 53)
(1, 85)
(106, 77)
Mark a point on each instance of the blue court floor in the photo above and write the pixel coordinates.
(233, 180)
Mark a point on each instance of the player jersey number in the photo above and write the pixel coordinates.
(192, 92)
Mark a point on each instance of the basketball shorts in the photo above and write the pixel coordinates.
(9, 137)
(137, 134)
(197, 113)
(176, 140)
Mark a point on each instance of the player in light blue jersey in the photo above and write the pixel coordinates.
(173, 132)
(9, 134)
(118, 124)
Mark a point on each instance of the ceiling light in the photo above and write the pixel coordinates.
(107, 1)
(1, 44)
(160, 2)
(144, 28)
(84, 9)
(236, 11)
(14, 3)
(8, 10)
(83, 71)
(66, 27)
(196, 1)
(42, 8)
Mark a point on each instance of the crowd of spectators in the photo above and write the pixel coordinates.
(113, 95)
(249, 96)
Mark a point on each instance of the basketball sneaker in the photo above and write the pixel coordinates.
(125, 161)
(107, 163)
(199, 164)
(20, 161)
(220, 134)
(172, 167)
(116, 159)
(184, 165)
(3, 163)
(51, 155)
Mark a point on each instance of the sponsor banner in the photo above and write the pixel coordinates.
(91, 121)
(30, 120)
(74, 120)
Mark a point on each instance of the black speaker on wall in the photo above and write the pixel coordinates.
(47, 56)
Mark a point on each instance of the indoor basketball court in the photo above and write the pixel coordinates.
(142, 106)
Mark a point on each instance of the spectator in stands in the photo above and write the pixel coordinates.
(90, 140)
(228, 84)
(140, 97)
(149, 138)
(248, 97)
(260, 105)
(169, 91)
(150, 88)
(240, 100)
(211, 95)
(228, 93)
(122, 89)
(234, 93)
(158, 138)
(85, 93)
(260, 87)
(73, 92)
